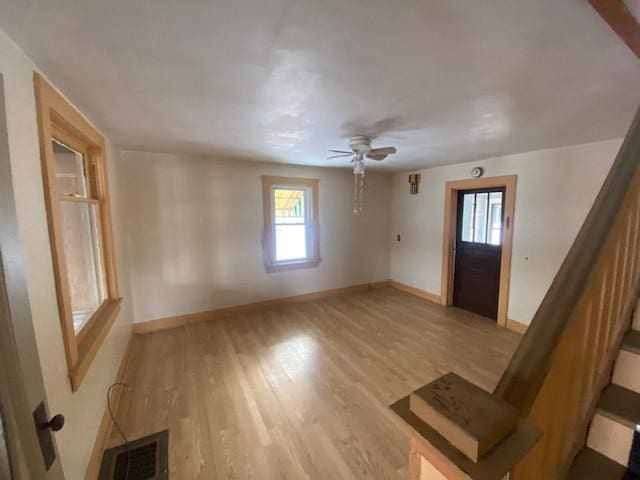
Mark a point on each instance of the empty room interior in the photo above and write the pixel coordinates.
(337, 239)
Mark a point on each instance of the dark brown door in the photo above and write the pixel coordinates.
(476, 283)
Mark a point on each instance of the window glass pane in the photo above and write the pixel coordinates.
(289, 205)
(291, 242)
(495, 220)
(70, 173)
(467, 217)
(290, 217)
(83, 260)
(480, 226)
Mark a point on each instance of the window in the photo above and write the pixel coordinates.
(482, 217)
(77, 197)
(81, 234)
(291, 233)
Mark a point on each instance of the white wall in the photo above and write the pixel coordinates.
(194, 229)
(83, 410)
(555, 190)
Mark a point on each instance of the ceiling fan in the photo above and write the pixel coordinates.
(361, 146)
(360, 149)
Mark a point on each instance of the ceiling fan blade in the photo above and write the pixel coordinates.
(341, 151)
(382, 151)
(340, 156)
(376, 157)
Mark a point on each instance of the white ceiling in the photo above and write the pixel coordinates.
(445, 81)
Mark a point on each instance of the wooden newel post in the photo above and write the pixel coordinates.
(460, 431)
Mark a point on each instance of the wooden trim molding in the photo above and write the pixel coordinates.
(106, 425)
(95, 336)
(516, 326)
(176, 321)
(271, 266)
(285, 267)
(432, 297)
(449, 236)
(58, 119)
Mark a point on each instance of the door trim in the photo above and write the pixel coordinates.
(21, 381)
(449, 236)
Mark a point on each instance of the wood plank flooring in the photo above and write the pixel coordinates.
(302, 391)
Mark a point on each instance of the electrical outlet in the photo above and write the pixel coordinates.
(398, 237)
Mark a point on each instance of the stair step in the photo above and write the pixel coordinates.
(626, 372)
(631, 342)
(613, 426)
(592, 465)
(610, 438)
(620, 404)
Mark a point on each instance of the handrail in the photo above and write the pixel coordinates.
(526, 372)
(565, 358)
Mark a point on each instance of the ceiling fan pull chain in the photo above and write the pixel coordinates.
(355, 192)
(358, 185)
(358, 182)
(361, 198)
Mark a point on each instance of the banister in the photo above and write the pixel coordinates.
(526, 372)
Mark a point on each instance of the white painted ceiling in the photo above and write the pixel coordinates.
(445, 81)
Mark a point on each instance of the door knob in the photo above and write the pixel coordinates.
(44, 426)
(56, 423)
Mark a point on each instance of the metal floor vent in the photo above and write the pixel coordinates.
(146, 459)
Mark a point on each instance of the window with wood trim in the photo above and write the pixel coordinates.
(77, 198)
(291, 228)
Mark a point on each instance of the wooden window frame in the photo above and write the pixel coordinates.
(268, 237)
(58, 119)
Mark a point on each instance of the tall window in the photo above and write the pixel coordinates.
(77, 197)
(82, 243)
(291, 233)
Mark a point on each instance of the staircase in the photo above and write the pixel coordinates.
(609, 443)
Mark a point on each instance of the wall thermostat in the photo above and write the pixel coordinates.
(477, 172)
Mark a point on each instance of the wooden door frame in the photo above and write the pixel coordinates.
(508, 182)
(21, 381)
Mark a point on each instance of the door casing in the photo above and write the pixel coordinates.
(21, 382)
(508, 182)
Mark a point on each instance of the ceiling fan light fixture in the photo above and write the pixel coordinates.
(360, 146)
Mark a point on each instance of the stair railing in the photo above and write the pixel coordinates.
(565, 358)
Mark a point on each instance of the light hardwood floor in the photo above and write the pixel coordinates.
(302, 391)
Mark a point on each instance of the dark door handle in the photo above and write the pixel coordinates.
(56, 423)
(44, 427)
